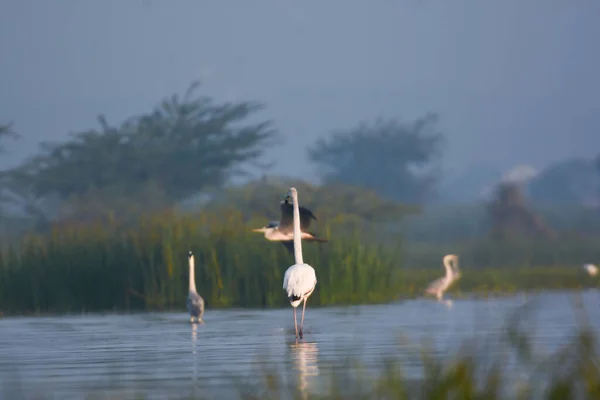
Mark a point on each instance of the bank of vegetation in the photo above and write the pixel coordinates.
(97, 267)
(103, 219)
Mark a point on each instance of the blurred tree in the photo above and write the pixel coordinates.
(262, 197)
(109, 204)
(338, 205)
(178, 149)
(511, 217)
(395, 160)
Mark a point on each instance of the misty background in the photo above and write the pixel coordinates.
(513, 82)
(133, 132)
(430, 104)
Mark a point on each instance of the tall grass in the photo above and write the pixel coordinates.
(105, 267)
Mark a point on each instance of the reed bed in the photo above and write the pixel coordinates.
(104, 267)
(109, 267)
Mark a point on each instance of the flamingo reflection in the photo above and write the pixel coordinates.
(195, 350)
(305, 357)
(194, 338)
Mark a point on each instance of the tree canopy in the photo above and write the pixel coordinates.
(261, 198)
(511, 216)
(395, 160)
(340, 207)
(179, 148)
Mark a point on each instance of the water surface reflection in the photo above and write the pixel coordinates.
(305, 360)
(71, 356)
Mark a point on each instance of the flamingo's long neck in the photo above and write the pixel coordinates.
(297, 233)
(192, 275)
(449, 273)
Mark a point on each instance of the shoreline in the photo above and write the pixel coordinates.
(457, 297)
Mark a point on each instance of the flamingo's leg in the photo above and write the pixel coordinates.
(295, 323)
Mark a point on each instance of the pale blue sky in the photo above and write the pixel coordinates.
(507, 76)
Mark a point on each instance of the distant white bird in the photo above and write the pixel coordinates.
(300, 279)
(195, 303)
(283, 230)
(439, 286)
(591, 269)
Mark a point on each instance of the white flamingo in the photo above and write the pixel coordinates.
(300, 279)
(440, 285)
(195, 303)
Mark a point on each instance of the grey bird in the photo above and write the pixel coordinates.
(195, 303)
(283, 230)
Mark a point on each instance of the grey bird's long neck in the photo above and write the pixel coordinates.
(192, 286)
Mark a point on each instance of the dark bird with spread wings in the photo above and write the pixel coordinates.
(283, 230)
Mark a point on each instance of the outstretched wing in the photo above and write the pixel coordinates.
(289, 245)
(314, 238)
(286, 224)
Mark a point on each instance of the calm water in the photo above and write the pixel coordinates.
(72, 356)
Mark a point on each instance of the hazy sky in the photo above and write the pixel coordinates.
(514, 81)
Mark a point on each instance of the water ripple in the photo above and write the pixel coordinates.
(74, 355)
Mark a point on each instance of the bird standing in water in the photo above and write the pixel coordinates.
(195, 303)
(440, 285)
(300, 279)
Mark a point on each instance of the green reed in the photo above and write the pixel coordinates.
(105, 267)
(99, 267)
